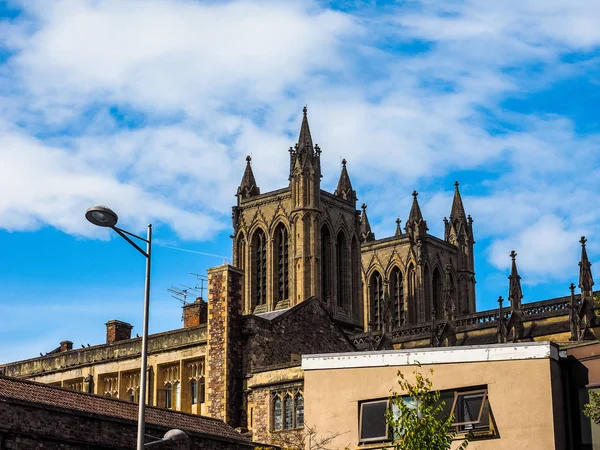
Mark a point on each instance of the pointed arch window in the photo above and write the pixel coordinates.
(260, 267)
(437, 291)
(412, 283)
(287, 409)
(325, 265)
(397, 290)
(342, 263)
(241, 254)
(376, 292)
(282, 249)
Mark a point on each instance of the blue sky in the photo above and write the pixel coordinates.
(151, 106)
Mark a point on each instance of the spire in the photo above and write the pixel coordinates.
(415, 211)
(305, 144)
(398, 228)
(458, 210)
(586, 281)
(344, 187)
(515, 294)
(248, 187)
(366, 234)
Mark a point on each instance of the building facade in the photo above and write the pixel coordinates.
(309, 276)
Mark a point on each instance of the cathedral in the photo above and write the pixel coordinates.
(310, 277)
(300, 242)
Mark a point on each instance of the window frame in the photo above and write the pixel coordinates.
(360, 422)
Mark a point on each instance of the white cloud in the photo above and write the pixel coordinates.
(208, 83)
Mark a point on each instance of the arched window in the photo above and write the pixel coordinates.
(299, 410)
(438, 296)
(277, 413)
(356, 284)
(260, 267)
(288, 409)
(426, 301)
(169, 396)
(177, 392)
(282, 265)
(342, 264)
(376, 294)
(397, 290)
(241, 254)
(325, 265)
(412, 283)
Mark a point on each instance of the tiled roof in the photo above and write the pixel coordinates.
(13, 388)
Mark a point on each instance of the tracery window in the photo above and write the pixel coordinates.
(287, 410)
(376, 301)
(197, 382)
(260, 264)
(132, 386)
(74, 385)
(171, 391)
(397, 288)
(281, 242)
(110, 385)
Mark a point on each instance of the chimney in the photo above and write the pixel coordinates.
(65, 346)
(195, 314)
(117, 331)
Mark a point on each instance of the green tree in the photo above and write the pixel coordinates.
(416, 418)
(592, 409)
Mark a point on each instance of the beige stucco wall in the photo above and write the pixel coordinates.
(520, 396)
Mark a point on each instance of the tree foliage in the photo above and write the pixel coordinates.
(419, 423)
(592, 409)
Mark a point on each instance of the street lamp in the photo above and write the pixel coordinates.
(106, 217)
(171, 435)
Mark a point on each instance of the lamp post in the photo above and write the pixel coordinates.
(105, 217)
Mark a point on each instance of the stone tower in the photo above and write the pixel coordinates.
(300, 241)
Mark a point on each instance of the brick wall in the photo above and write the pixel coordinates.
(224, 349)
(25, 425)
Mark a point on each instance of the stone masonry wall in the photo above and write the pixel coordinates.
(307, 328)
(224, 350)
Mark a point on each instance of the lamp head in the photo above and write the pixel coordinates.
(101, 216)
(175, 435)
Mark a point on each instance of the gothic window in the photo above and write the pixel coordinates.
(197, 383)
(132, 385)
(342, 263)
(438, 297)
(241, 256)
(260, 267)
(281, 247)
(110, 385)
(376, 293)
(74, 385)
(277, 413)
(412, 283)
(287, 409)
(356, 277)
(299, 410)
(325, 264)
(426, 302)
(397, 290)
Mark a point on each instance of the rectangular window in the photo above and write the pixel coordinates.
(470, 407)
(372, 424)
(471, 410)
(194, 391)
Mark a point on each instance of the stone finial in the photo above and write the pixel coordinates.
(248, 159)
(304, 110)
(398, 227)
(513, 254)
(415, 194)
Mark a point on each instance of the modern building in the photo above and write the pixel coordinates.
(308, 276)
